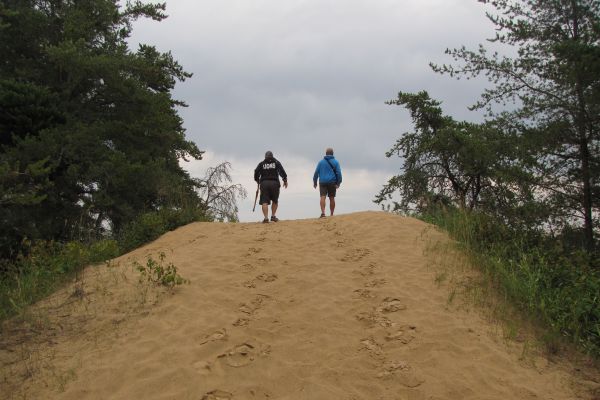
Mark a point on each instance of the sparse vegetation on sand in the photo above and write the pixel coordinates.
(159, 272)
(555, 289)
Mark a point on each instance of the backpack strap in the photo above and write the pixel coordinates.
(334, 171)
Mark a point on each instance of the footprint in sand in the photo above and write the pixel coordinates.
(265, 277)
(391, 305)
(203, 367)
(220, 334)
(405, 334)
(372, 319)
(217, 395)
(402, 373)
(329, 226)
(253, 250)
(247, 267)
(254, 305)
(243, 354)
(366, 270)
(356, 255)
(241, 322)
(376, 283)
(364, 293)
(264, 260)
(374, 348)
(250, 284)
(259, 393)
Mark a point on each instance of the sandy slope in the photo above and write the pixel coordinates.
(339, 308)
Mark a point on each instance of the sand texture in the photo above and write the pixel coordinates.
(338, 308)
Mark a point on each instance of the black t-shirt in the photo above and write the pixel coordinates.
(269, 170)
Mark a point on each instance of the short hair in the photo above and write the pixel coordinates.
(269, 154)
(329, 151)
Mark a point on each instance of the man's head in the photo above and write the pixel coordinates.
(329, 151)
(269, 154)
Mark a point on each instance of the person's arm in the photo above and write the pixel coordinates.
(257, 174)
(282, 173)
(316, 176)
(339, 173)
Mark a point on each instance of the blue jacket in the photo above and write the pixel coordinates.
(324, 172)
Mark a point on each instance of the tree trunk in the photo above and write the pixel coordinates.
(587, 195)
(584, 152)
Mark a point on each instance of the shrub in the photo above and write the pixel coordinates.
(157, 273)
(150, 226)
(103, 250)
(37, 273)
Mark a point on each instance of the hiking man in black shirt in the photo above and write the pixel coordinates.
(267, 175)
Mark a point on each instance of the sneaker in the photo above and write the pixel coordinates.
(266, 221)
(274, 218)
(322, 216)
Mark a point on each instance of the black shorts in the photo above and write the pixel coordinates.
(327, 189)
(269, 192)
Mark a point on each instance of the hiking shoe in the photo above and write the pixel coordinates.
(266, 221)
(274, 218)
(322, 216)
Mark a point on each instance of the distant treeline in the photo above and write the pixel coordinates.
(90, 136)
(521, 189)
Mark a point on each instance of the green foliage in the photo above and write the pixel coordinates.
(547, 282)
(90, 137)
(447, 162)
(44, 267)
(554, 84)
(103, 250)
(157, 273)
(150, 226)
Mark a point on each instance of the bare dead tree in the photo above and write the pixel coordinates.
(219, 194)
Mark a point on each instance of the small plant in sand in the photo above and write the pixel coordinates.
(157, 273)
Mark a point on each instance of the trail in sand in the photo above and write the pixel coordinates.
(337, 308)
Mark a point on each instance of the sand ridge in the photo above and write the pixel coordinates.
(335, 308)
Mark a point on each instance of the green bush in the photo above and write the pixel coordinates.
(103, 250)
(150, 226)
(44, 267)
(157, 273)
(38, 273)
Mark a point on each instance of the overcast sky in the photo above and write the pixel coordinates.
(297, 76)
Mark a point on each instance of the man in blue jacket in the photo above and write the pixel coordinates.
(329, 174)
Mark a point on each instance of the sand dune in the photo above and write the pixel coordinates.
(338, 308)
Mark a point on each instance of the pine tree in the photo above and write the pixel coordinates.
(87, 125)
(554, 81)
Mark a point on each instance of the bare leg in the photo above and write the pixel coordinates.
(273, 209)
(265, 210)
(323, 205)
(331, 204)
